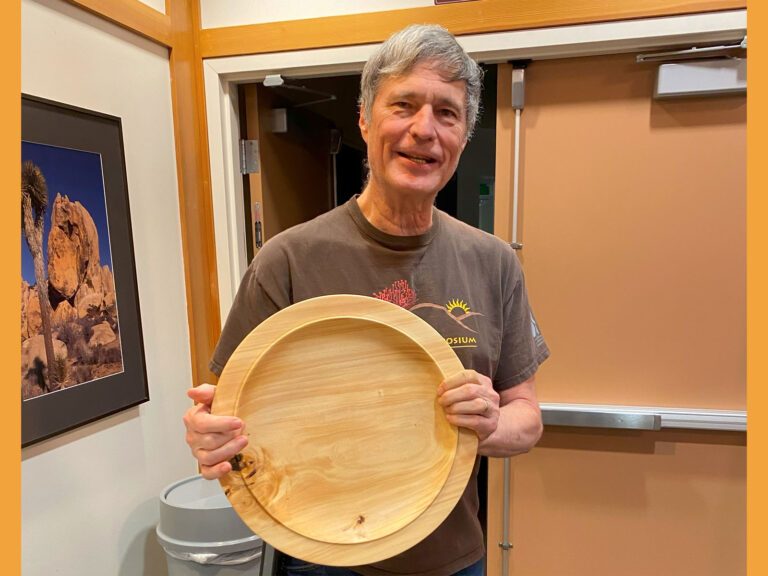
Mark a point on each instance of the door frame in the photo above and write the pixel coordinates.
(222, 76)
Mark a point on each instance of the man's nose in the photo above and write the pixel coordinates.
(424, 124)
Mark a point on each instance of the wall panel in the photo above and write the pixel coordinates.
(217, 14)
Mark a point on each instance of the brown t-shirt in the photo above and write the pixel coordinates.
(464, 282)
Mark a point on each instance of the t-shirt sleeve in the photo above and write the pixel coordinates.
(523, 348)
(264, 289)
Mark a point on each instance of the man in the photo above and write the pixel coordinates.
(419, 103)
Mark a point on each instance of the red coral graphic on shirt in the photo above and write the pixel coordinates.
(399, 293)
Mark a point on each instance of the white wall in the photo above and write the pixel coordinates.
(158, 5)
(89, 497)
(217, 13)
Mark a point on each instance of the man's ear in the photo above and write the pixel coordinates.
(363, 124)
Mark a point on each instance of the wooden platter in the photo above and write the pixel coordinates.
(350, 458)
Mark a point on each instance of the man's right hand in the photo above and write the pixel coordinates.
(212, 439)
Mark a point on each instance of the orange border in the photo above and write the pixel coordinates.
(757, 293)
(10, 162)
(463, 18)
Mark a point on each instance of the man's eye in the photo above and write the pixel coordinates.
(448, 113)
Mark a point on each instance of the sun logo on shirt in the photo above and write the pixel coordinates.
(457, 304)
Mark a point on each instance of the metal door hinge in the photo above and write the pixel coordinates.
(505, 545)
(249, 156)
(516, 245)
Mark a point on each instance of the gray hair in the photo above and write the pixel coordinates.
(416, 44)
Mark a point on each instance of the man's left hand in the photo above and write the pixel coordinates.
(470, 401)
(506, 423)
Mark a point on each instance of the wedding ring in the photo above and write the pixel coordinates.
(487, 407)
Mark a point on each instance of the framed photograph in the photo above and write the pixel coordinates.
(82, 355)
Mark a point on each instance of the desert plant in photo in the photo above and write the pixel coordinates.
(69, 333)
(34, 201)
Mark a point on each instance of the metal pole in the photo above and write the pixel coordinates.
(516, 177)
(518, 102)
(505, 545)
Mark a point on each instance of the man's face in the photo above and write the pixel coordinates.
(417, 132)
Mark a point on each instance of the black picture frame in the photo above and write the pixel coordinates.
(55, 124)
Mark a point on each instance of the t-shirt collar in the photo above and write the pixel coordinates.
(389, 240)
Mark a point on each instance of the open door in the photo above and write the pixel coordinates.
(294, 182)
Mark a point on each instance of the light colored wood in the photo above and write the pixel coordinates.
(133, 15)
(350, 458)
(341, 407)
(461, 18)
(194, 179)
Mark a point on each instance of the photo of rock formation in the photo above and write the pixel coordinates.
(68, 306)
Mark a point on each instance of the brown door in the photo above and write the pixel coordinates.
(295, 178)
(632, 219)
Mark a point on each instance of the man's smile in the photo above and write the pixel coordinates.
(419, 159)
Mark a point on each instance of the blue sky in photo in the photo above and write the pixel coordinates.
(76, 174)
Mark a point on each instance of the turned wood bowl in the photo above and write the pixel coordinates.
(350, 458)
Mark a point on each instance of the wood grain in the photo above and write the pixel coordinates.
(463, 18)
(350, 458)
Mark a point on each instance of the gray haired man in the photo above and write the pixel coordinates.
(419, 101)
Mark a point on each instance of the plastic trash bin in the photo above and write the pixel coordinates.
(201, 533)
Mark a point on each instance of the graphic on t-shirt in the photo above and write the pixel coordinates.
(457, 310)
(456, 303)
(399, 293)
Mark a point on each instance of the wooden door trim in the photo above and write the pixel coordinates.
(460, 18)
(133, 15)
(194, 183)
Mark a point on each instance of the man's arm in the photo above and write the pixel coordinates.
(506, 423)
(519, 426)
